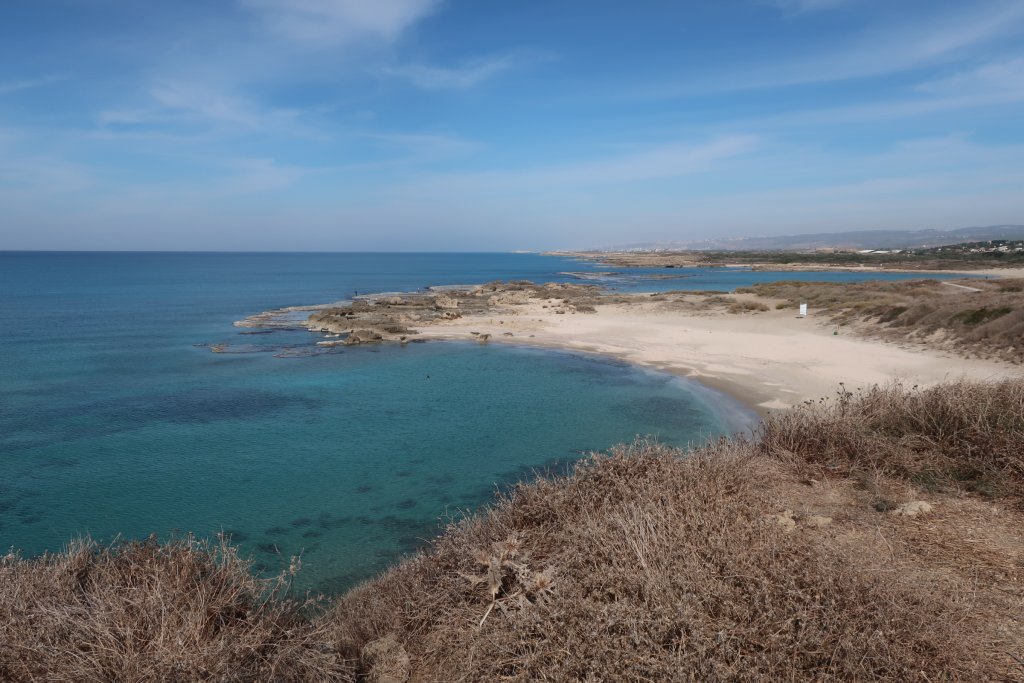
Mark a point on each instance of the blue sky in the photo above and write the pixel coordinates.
(479, 125)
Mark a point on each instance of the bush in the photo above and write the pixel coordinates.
(145, 611)
(747, 307)
(958, 434)
(891, 313)
(981, 315)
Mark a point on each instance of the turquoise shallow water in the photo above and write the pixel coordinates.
(115, 420)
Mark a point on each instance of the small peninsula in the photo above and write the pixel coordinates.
(750, 344)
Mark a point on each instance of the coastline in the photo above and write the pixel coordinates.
(739, 345)
(670, 260)
(769, 361)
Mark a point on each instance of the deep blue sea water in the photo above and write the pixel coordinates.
(115, 419)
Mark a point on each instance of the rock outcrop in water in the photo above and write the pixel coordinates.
(394, 317)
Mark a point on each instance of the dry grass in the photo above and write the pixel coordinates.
(181, 611)
(642, 565)
(747, 307)
(989, 323)
(657, 567)
(964, 434)
(662, 569)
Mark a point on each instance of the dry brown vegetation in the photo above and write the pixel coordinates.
(988, 323)
(747, 307)
(791, 555)
(951, 258)
(144, 611)
(961, 435)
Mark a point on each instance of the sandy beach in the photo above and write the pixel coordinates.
(768, 360)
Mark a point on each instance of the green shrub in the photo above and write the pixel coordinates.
(979, 316)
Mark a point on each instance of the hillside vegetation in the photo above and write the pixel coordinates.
(1000, 253)
(987, 323)
(871, 537)
(964, 256)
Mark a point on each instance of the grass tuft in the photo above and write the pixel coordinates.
(186, 610)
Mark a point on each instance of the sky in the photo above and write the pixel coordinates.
(478, 125)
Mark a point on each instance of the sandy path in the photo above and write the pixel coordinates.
(964, 287)
(768, 360)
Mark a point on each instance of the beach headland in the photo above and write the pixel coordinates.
(897, 261)
(754, 348)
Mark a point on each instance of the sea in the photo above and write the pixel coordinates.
(117, 421)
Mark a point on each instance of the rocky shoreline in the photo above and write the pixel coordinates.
(748, 344)
(398, 317)
(404, 317)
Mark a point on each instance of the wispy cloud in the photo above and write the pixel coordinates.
(670, 160)
(983, 86)
(806, 6)
(44, 176)
(201, 102)
(325, 23)
(1000, 78)
(421, 146)
(453, 78)
(203, 105)
(929, 182)
(915, 43)
(30, 83)
(250, 176)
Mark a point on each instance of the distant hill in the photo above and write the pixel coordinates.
(860, 239)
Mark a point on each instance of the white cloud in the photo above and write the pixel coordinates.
(250, 176)
(665, 161)
(984, 86)
(421, 146)
(27, 84)
(43, 176)
(917, 42)
(1005, 77)
(211, 105)
(324, 23)
(200, 104)
(456, 78)
(807, 6)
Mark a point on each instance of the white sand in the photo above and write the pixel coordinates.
(768, 360)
